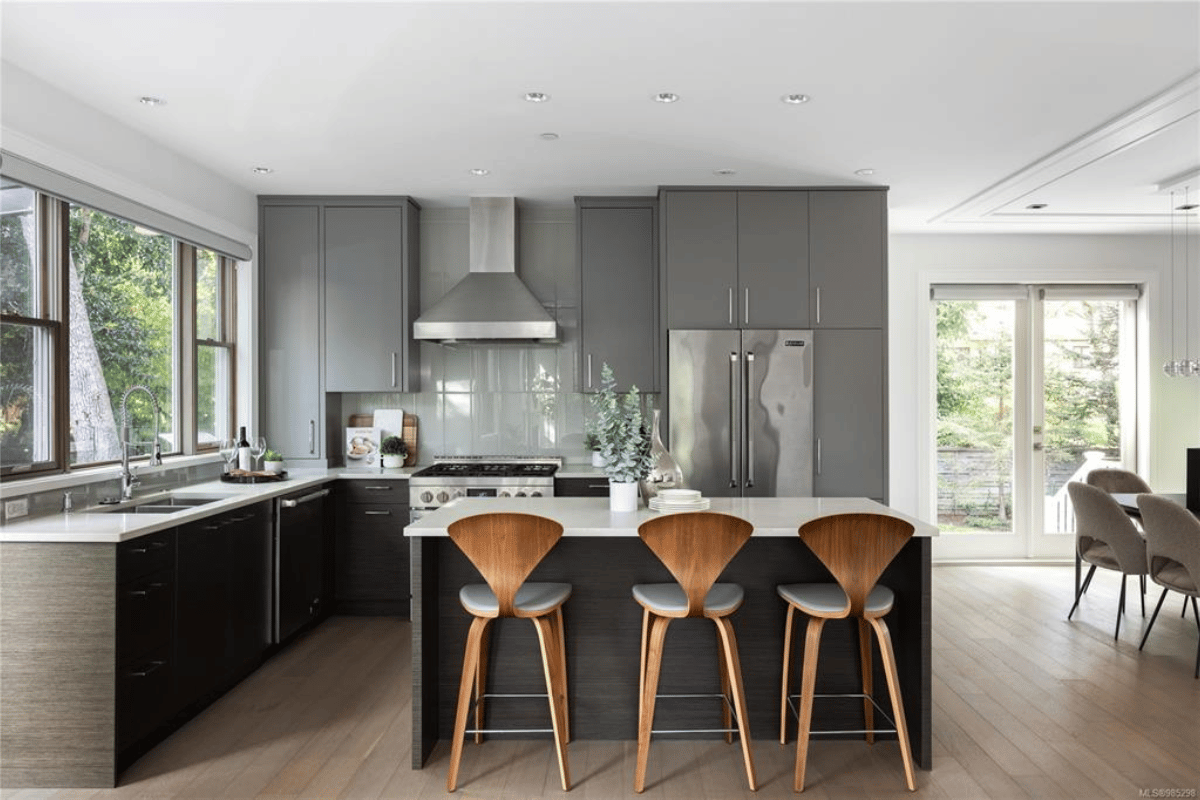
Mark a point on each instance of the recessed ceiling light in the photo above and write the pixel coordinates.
(1036, 206)
(724, 172)
(479, 172)
(536, 97)
(548, 136)
(865, 172)
(148, 100)
(666, 97)
(795, 99)
(261, 170)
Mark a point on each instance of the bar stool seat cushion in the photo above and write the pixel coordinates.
(825, 599)
(532, 598)
(669, 598)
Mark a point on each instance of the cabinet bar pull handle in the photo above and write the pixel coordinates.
(597, 486)
(312, 436)
(818, 456)
(142, 673)
(730, 305)
(749, 434)
(747, 317)
(818, 305)
(377, 488)
(733, 417)
(378, 513)
(307, 498)
(589, 370)
(393, 368)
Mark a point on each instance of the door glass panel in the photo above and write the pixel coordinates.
(1082, 364)
(975, 471)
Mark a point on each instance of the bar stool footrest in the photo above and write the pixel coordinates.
(860, 696)
(723, 697)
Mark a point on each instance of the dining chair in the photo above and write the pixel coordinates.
(695, 547)
(506, 548)
(1105, 537)
(1173, 553)
(856, 549)
(1117, 481)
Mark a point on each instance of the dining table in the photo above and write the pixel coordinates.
(1128, 501)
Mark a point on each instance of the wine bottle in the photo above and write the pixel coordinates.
(243, 452)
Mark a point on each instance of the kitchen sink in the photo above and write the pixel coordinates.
(156, 505)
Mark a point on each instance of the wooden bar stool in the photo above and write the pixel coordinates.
(505, 548)
(695, 547)
(856, 549)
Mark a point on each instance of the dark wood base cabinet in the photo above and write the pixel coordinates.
(372, 553)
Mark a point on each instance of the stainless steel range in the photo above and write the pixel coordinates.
(451, 477)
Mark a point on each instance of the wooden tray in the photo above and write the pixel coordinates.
(255, 477)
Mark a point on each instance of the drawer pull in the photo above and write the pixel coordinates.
(146, 592)
(378, 513)
(153, 667)
(377, 488)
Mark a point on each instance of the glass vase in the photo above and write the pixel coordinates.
(664, 470)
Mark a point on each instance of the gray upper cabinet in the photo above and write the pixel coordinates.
(371, 297)
(849, 414)
(290, 385)
(772, 245)
(848, 252)
(700, 258)
(619, 291)
(736, 259)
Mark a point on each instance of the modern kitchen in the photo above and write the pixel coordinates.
(307, 305)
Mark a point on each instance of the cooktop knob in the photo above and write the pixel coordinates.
(504, 493)
(426, 496)
(520, 494)
(535, 493)
(442, 497)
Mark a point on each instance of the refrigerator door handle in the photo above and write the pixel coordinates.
(733, 420)
(747, 399)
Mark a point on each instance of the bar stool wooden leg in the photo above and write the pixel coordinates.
(658, 632)
(729, 645)
(868, 676)
(726, 697)
(470, 661)
(550, 665)
(481, 681)
(787, 669)
(808, 682)
(642, 662)
(889, 669)
(560, 631)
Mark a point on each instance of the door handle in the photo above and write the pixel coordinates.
(733, 417)
(746, 419)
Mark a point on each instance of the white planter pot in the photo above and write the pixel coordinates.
(390, 461)
(622, 497)
(273, 466)
(597, 460)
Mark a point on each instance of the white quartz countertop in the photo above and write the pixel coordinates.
(589, 516)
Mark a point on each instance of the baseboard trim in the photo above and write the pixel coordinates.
(1003, 562)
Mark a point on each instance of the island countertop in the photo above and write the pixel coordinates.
(589, 516)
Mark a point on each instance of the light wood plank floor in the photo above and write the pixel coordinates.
(1026, 704)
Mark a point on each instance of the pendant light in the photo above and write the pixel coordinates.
(1187, 367)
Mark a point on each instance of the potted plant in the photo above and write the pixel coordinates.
(592, 442)
(273, 461)
(624, 441)
(394, 451)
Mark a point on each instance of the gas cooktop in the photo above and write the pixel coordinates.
(487, 469)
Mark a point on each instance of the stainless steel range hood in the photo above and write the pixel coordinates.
(490, 304)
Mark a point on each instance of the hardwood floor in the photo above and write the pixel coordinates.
(1026, 704)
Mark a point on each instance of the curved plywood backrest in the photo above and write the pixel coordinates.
(696, 547)
(505, 548)
(856, 549)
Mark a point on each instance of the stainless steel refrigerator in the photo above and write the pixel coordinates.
(741, 411)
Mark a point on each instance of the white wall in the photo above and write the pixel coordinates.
(42, 124)
(1168, 409)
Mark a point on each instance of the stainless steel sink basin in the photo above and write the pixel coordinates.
(156, 505)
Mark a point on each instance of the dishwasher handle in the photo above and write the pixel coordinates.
(292, 503)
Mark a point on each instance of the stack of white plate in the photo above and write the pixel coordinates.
(678, 500)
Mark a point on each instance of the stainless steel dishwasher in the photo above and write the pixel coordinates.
(301, 556)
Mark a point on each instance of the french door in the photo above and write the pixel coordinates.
(1036, 387)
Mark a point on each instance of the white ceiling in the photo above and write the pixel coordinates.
(969, 111)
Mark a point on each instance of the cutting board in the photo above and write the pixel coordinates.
(409, 435)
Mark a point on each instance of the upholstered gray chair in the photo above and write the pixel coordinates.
(1117, 481)
(1105, 537)
(1172, 554)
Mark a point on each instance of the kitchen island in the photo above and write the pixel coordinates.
(602, 557)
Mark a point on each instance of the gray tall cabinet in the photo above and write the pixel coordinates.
(810, 257)
(338, 294)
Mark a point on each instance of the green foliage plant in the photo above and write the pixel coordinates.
(624, 440)
(393, 446)
(272, 455)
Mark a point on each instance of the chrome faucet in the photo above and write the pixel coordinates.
(128, 481)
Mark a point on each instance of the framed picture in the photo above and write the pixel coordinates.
(362, 448)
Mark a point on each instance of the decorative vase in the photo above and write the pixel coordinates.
(664, 470)
(622, 497)
(390, 461)
(597, 459)
(273, 466)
